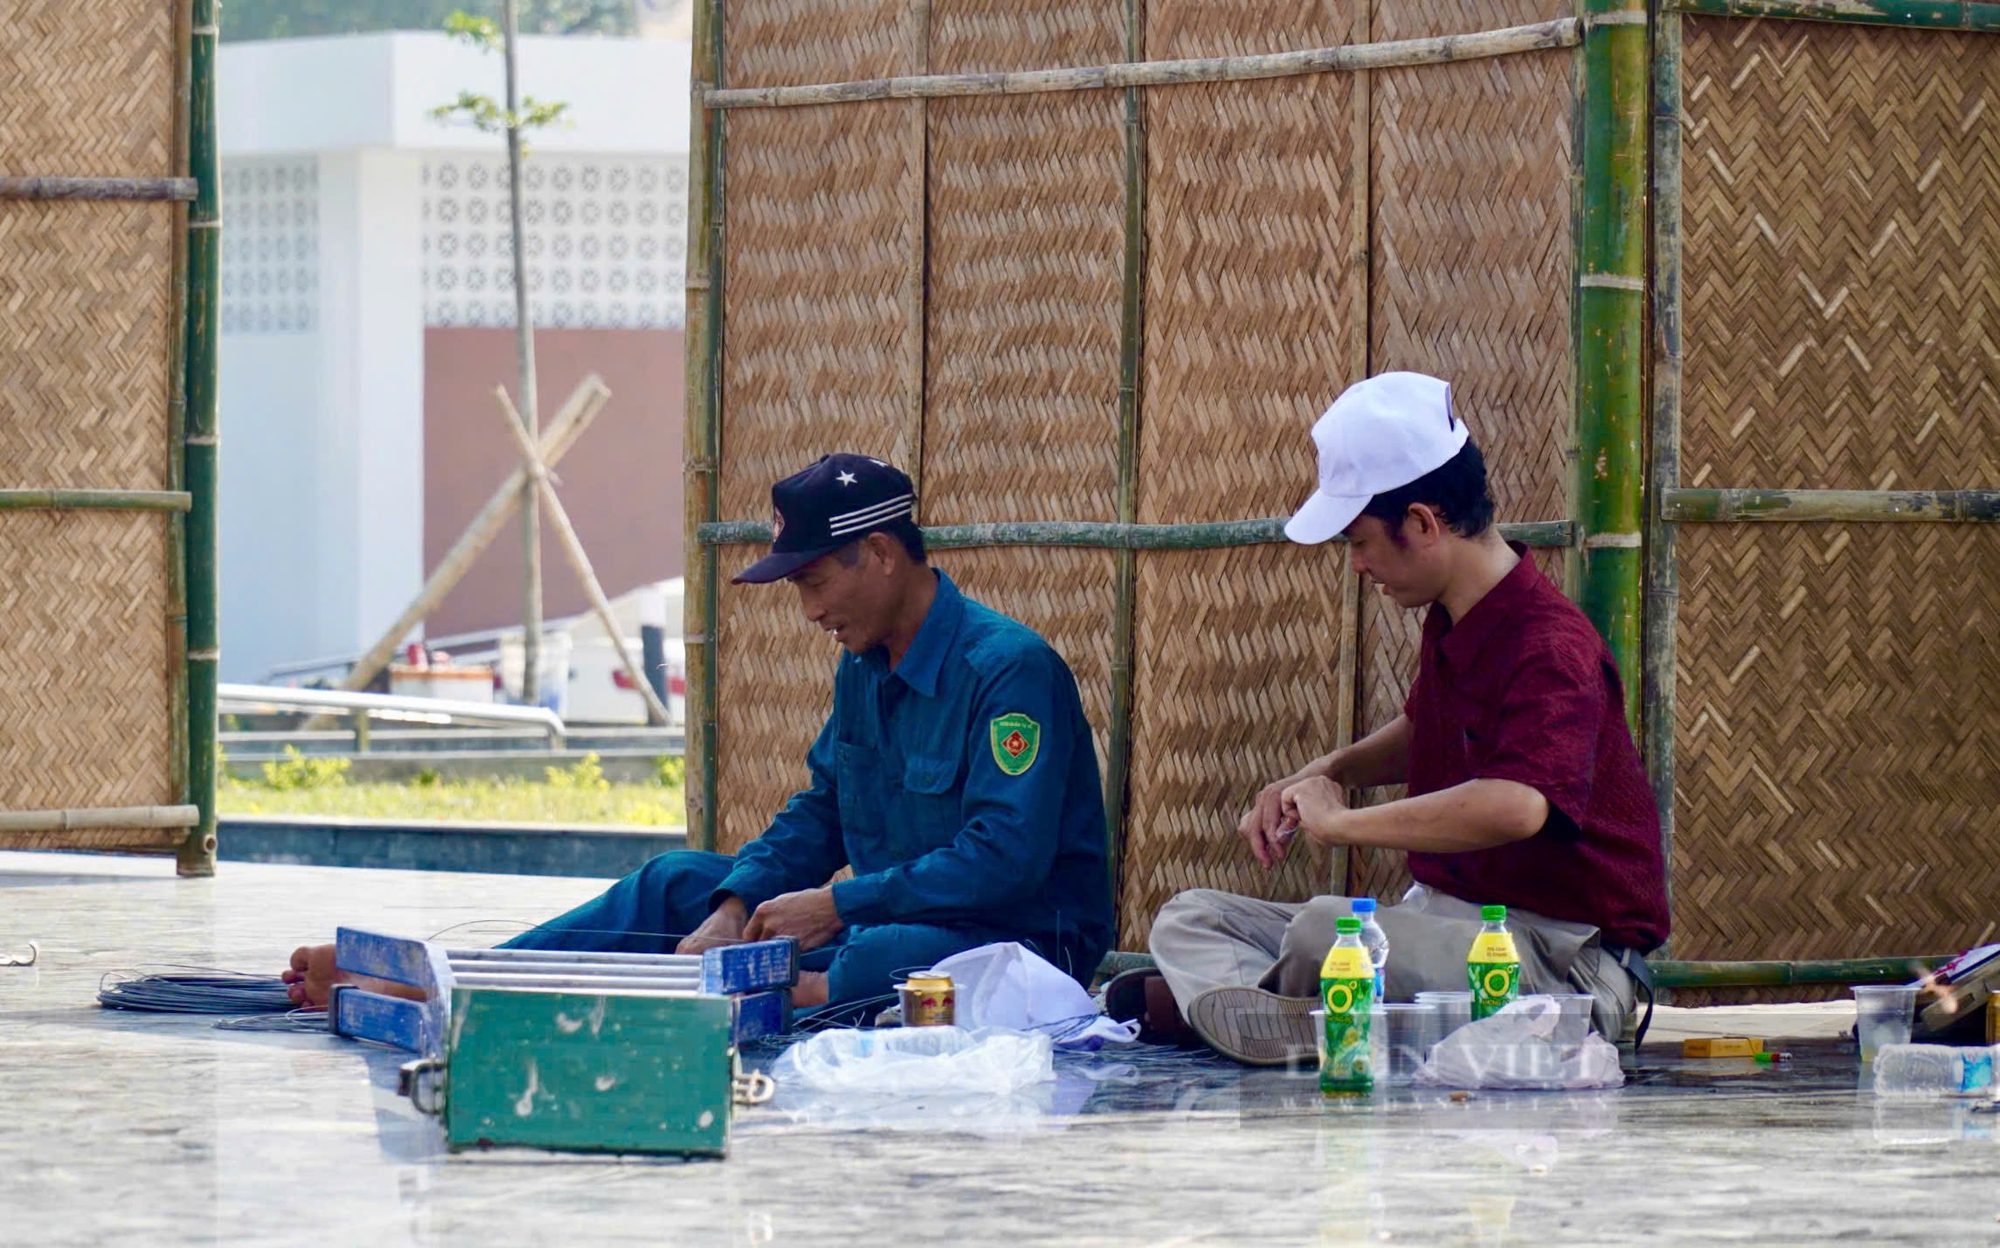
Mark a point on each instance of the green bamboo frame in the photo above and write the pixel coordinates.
(1661, 638)
(1915, 14)
(98, 500)
(1824, 506)
(178, 189)
(702, 445)
(1125, 561)
(199, 450)
(1216, 535)
(1610, 316)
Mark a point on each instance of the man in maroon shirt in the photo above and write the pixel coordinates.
(1525, 788)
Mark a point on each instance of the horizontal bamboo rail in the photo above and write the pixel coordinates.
(95, 500)
(1920, 14)
(1671, 974)
(180, 190)
(1560, 33)
(1865, 506)
(1541, 533)
(1668, 973)
(99, 817)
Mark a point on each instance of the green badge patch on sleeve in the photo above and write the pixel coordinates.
(1016, 741)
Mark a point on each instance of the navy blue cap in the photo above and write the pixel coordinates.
(838, 500)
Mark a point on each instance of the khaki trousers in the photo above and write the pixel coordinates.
(1206, 939)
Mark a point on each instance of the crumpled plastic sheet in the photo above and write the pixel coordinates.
(910, 1060)
(1517, 1049)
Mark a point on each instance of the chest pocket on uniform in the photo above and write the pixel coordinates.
(930, 804)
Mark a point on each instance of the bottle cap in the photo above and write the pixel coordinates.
(1347, 925)
(1364, 905)
(1493, 914)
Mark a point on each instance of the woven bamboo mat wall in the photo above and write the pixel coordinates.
(1026, 252)
(83, 662)
(1835, 795)
(823, 242)
(1026, 241)
(1253, 324)
(87, 336)
(90, 88)
(1842, 257)
(88, 333)
(776, 686)
(822, 230)
(1474, 288)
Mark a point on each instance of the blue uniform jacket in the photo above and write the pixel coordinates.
(961, 786)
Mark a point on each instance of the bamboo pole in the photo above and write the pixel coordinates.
(1560, 33)
(1660, 641)
(178, 189)
(1668, 973)
(179, 816)
(562, 433)
(1611, 286)
(1125, 562)
(99, 500)
(1862, 506)
(196, 855)
(911, 297)
(175, 623)
(1097, 535)
(701, 439)
(579, 559)
(1347, 664)
(1919, 14)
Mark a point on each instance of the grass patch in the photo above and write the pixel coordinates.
(301, 785)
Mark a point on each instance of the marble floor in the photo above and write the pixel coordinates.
(158, 1130)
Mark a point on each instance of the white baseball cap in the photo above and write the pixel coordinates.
(1379, 435)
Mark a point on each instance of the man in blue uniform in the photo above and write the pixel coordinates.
(956, 776)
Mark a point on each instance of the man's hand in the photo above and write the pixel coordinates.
(1261, 824)
(1315, 806)
(808, 915)
(723, 927)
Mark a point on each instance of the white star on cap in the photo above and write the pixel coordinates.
(845, 478)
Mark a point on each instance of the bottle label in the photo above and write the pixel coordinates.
(1348, 1000)
(1343, 963)
(1493, 947)
(1493, 984)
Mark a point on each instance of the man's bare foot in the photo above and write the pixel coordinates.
(810, 993)
(313, 974)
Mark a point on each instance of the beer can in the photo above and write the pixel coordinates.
(928, 1001)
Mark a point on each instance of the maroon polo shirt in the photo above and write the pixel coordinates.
(1524, 689)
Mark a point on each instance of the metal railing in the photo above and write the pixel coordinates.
(365, 706)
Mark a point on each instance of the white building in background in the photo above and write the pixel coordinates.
(366, 290)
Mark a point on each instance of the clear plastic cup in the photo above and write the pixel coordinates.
(1573, 1026)
(1319, 1035)
(1454, 1008)
(1409, 1029)
(1882, 1015)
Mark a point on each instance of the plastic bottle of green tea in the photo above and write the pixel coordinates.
(1493, 968)
(1347, 993)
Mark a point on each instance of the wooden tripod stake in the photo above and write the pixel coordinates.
(579, 562)
(561, 434)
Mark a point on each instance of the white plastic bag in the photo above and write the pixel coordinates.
(1517, 1048)
(917, 1060)
(1008, 985)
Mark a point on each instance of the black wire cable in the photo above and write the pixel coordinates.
(193, 990)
